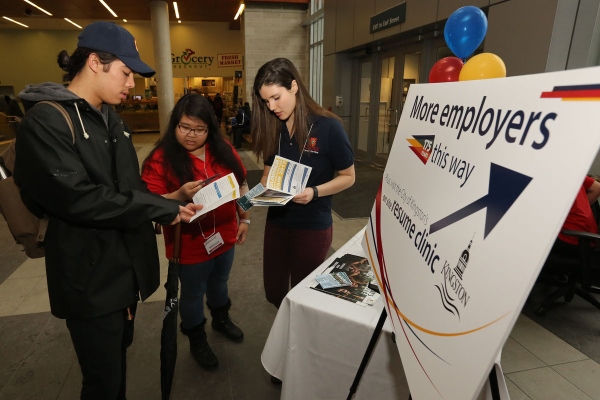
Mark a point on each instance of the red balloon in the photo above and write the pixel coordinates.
(446, 70)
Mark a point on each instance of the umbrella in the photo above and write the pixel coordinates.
(168, 335)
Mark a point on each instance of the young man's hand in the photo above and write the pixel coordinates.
(186, 213)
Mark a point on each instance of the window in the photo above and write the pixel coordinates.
(316, 50)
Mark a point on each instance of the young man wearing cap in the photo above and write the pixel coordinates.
(101, 252)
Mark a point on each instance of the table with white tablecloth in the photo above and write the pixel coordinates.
(317, 342)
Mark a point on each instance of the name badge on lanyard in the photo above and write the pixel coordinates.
(213, 242)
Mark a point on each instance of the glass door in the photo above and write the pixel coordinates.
(399, 69)
(386, 109)
(382, 81)
(362, 144)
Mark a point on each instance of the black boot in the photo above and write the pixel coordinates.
(199, 347)
(222, 323)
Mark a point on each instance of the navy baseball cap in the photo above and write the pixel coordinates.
(111, 38)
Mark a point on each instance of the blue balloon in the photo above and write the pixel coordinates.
(465, 30)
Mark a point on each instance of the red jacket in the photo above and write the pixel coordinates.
(222, 220)
(580, 217)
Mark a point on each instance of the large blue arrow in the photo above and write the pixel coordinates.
(505, 187)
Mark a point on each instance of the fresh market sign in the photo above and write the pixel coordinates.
(229, 60)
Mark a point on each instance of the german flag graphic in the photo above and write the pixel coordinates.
(574, 93)
(422, 145)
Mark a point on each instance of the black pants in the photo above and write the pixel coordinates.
(565, 249)
(101, 345)
(237, 135)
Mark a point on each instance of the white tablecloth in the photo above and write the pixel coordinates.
(317, 342)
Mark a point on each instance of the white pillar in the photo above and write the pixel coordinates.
(161, 34)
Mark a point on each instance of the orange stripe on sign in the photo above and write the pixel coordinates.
(582, 99)
(414, 142)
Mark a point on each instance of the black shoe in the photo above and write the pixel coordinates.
(221, 322)
(276, 381)
(199, 347)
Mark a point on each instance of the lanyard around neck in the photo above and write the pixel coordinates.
(212, 212)
(306, 141)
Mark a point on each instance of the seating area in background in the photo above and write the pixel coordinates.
(573, 276)
(8, 126)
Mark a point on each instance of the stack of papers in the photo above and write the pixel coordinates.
(286, 179)
(358, 271)
(216, 194)
(334, 279)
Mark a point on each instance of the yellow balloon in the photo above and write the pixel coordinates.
(483, 66)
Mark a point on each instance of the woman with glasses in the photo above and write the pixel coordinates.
(192, 150)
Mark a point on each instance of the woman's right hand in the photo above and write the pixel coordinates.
(187, 191)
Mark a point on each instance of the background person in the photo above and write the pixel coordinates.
(247, 109)
(242, 125)
(191, 150)
(4, 105)
(101, 254)
(580, 218)
(287, 122)
(218, 107)
(12, 107)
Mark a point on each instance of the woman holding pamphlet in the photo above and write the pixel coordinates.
(191, 152)
(288, 123)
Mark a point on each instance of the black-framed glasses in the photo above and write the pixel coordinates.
(186, 130)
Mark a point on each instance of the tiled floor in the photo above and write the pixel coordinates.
(37, 360)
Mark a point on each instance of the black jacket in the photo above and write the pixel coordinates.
(242, 120)
(100, 245)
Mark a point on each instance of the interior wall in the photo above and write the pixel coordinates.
(347, 22)
(525, 46)
(29, 56)
(585, 45)
(336, 78)
(274, 30)
(531, 36)
(206, 39)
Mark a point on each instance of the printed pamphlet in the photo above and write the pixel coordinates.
(334, 279)
(286, 179)
(216, 194)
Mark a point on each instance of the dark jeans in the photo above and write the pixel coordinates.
(291, 254)
(101, 345)
(208, 277)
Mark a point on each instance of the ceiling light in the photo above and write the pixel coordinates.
(13, 21)
(38, 7)
(176, 9)
(124, 20)
(179, 21)
(108, 8)
(71, 22)
(240, 11)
